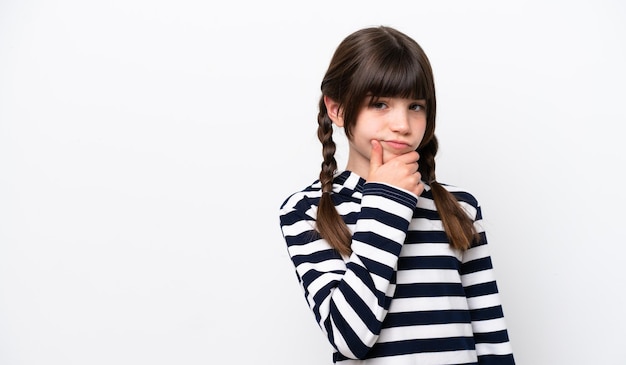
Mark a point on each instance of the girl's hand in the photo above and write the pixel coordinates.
(400, 171)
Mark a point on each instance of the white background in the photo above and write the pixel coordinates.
(146, 146)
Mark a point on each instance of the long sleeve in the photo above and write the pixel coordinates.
(349, 297)
(488, 324)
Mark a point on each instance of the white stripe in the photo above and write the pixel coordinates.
(478, 225)
(374, 253)
(426, 203)
(348, 207)
(351, 227)
(380, 283)
(340, 343)
(353, 319)
(388, 205)
(425, 224)
(351, 182)
(408, 192)
(311, 212)
(485, 301)
(297, 228)
(343, 306)
(321, 282)
(324, 310)
(452, 188)
(494, 348)
(308, 248)
(430, 249)
(295, 198)
(490, 325)
(429, 331)
(324, 266)
(427, 276)
(399, 305)
(427, 358)
(476, 253)
(479, 277)
(469, 209)
(361, 289)
(290, 203)
(365, 293)
(371, 225)
(448, 357)
(391, 289)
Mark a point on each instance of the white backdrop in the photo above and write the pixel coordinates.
(145, 147)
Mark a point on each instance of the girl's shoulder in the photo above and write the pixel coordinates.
(347, 186)
(308, 196)
(461, 194)
(426, 204)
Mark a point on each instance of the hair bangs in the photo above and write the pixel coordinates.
(395, 76)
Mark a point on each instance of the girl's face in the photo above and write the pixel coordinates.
(399, 124)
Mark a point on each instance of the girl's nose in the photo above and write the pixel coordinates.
(399, 122)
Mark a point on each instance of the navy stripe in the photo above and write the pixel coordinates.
(390, 193)
(422, 345)
(492, 337)
(432, 215)
(351, 218)
(361, 308)
(321, 294)
(303, 238)
(496, 359)
(465, 197)
(341, 179)
(366, 278)
(476, 265)
(482, 240)
(383, 217)
(377, 268)
(481, 289)
(485, 314)
(355, 344)
(461, 196)
(380, 242)
(427, 237)
(427, 194)
(426, 318)
(290, 218)
(312, 275)
(315, 257)
(422, 290)
(479, 214)
(429, 262)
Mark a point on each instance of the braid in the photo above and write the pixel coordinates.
(330, 225)
(329, 164)
(458, 226)
(427, 154)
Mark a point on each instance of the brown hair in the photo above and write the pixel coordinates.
(383, 62)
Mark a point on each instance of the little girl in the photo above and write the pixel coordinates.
(394, 265)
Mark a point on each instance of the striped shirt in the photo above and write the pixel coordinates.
(404, 295)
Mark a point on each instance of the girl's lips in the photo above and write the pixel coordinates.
(397, 145)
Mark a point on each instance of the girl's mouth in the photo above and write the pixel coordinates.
(397, 145)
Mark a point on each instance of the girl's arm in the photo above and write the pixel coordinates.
(350, 296)
(490, 332)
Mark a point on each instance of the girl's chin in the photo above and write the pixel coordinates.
(389, 155)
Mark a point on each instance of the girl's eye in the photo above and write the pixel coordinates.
(379, 105)
(417, 107)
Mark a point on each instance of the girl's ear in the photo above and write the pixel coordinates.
(334, 113)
